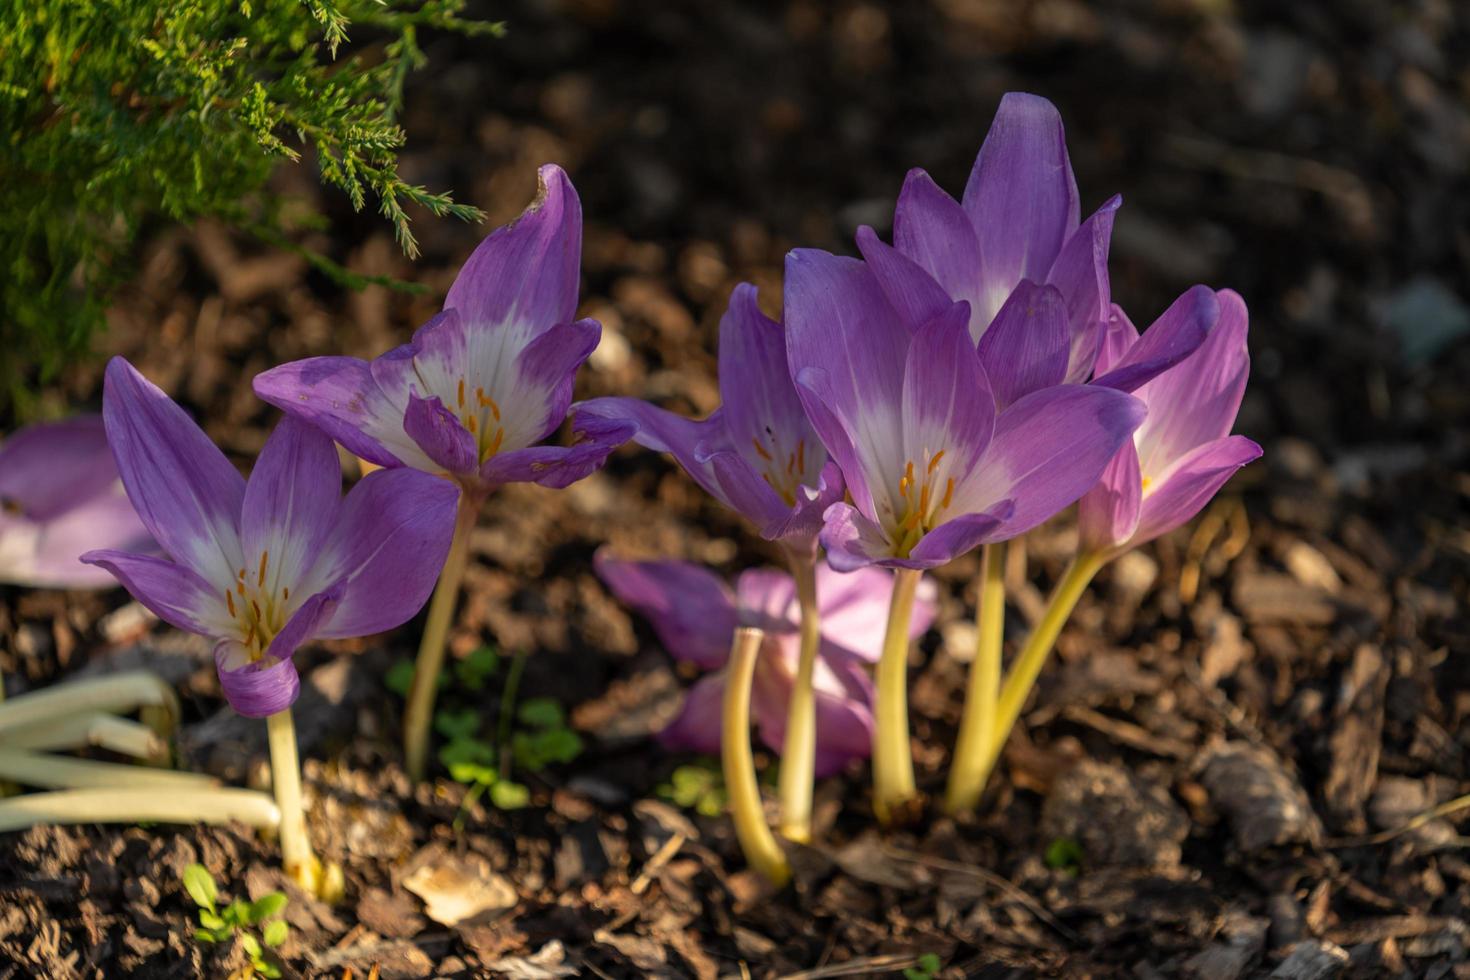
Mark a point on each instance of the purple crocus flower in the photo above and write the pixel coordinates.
(909, 414)
(60, 496)
(266, 566)
(757, 454)
(1183, 453)
(695, 615)
(484, 381)
(1036, 280)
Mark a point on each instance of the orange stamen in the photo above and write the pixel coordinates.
(801, 456)
(761, 450)
(934, 461)
(487, 402)
(461, 393)
(472, 422)
(948, 493)
(264, 557)
(230, 601)
(495, 443)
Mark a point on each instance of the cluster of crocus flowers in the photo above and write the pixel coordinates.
(265, 566)
(473, 396)
(59, 496)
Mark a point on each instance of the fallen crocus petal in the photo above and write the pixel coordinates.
(688, 606)
(59, 497)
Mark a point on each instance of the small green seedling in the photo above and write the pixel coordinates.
(473, 671)
(546, 740)
(928, 965)
(218, 925)
(699, 787)
(1064, 854)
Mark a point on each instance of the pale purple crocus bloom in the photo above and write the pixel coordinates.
(909, 415)
(1036, 280)
(757, 454)
(60, 496)
(266, 566)
(695, 615)
(1183, 453)
(487, 379)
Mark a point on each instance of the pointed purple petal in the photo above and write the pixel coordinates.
(441, 435)
(853, 542)
(185, 491)
(546, 374)
(305, 624)
(255, 689)
(799, 526)
(386, 551)
(958, 537)
(1080, 272)
(746, 492)
(1027, 346)
(1174, 336)
(172, 592)
(932, 229)
(664, 432)
(1118, 339)
(1107, 515)
(697, 726)
(593, 441)
(1194, 480)
(912, 292)
(523, 278)
(1049, 449)
(1021, 196)
(1196, 401)
(49, 468)
(339, 396)
(290, 504)
(690, 609)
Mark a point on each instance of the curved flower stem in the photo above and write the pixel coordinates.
(148, 805)
(799, 752)
(762, 851)
(96, 729)
(124, 691)
(894, 795)
(977, 724)
(1027, 668)
(297, 856)
(419, 713)
(58, 772)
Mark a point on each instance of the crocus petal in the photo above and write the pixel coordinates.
(1118, 339)
(665, 432)
(46, 554)
(697, 726)
(853, 542)
(1107, 515)
(441, 435)
(522, 279)
(546, 373)
(1080, 273)
(185, 491)
(933, 230)
(172, 592)
(766, 598)
(761, 409)
(1196, 401)
(305, 623)
(954, 538)
(839, 324)
(1027, 347)
(912, 291)
(50, 468)
(1193, 481)
(1021, 196)
(1172, 338)
(255, 689)
(690, 609)
(385, 552)
(1049, 449)
(798, 526)
(290, 504)
(854, 609)
(339, 396)
(844, 720)
(748, 493)
(593, 440)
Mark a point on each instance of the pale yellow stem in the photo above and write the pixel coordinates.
(1027, 668)
(45, 771)
(72, 806)
(297, 857)
(894, 793)
(762, 852)
(977, 724)
(799, 753)
(119, 692)
(418, 715)
(92, 729)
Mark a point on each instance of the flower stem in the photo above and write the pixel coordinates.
(977, 724)
(92, 729)
(149, 805)
(761, 850)
(1027, 668)
(123, 691)
(296, 854)
(894, 795)
(58, 772)
(799, 753)
(419, 713)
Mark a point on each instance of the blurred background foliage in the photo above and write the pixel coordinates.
(119, 114)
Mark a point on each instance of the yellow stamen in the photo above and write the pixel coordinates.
(264, 557)
(461, 393)
(924, 498)
(487, 402)
(948, 493)
(230, 601)
(256, 607)
(472, 423)
(761, 451)
(286, 592)
(240, 588)
(495, 443)
(801, 456)
(934, 461)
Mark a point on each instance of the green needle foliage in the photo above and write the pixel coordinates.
(115, 114)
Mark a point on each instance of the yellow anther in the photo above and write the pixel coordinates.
(264, 557)
(230, 601)
(761, 451)
(801, 456)
(934, 460)
(495, 443)
(487, 402)
(472, 422)
(461, 393)
(948, 493)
